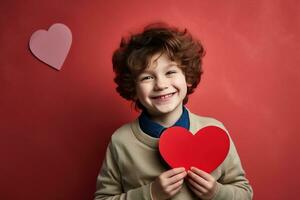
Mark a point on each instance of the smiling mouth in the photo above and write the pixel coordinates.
(164, 96)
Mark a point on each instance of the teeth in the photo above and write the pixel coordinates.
(165, 96)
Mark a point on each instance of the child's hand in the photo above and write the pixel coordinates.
(201, 183)
(168, 183)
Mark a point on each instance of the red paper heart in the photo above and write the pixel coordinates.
(205, 150)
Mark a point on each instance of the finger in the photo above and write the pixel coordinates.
(198, 179)
(198, 193)
(175, 186)
(177, 177)
(173, 192)
(173, 172)
(202, 173)
(198, 187)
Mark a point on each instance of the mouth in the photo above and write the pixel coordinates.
(165, 96)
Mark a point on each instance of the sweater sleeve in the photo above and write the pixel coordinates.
(233, 183)
(109, 184)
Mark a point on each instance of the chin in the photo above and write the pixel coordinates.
(167, 110)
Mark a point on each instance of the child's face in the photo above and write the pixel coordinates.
(161, 87)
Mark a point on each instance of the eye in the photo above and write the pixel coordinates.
(146, 78)
(171, 72)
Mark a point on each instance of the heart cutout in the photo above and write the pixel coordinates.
(205, 150)
(52, 46)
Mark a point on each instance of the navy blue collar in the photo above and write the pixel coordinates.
(155, 130)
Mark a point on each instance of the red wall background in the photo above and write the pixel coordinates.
(55, 125)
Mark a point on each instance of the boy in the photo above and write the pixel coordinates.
(157, 70)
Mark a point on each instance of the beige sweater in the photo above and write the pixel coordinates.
(133, 162)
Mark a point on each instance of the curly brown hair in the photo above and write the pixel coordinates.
(136, 51)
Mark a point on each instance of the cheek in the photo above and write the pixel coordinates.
(142, 91)
(180, 83)
(184, 90)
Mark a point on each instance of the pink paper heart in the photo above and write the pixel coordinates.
(52, 46)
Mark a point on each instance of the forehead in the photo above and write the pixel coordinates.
(160, 60)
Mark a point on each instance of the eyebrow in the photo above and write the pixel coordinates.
(169, 65)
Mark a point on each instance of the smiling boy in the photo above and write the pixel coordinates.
(161, 89)
(157, 70)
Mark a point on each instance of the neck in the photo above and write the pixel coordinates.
(168, 119)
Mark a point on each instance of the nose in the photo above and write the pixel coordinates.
(161, 83)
